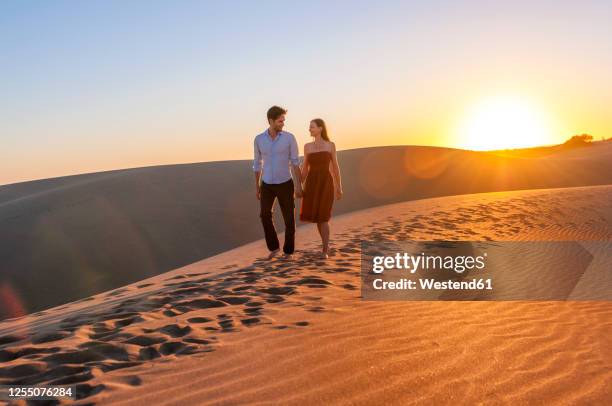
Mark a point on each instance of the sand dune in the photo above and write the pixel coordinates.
(237, 328)
(104, 230)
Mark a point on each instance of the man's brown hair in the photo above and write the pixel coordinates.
(275, 112)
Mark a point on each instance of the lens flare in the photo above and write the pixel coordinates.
(10, 304)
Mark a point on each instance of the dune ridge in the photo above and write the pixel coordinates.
(105, 230)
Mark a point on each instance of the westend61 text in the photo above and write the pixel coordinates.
(432, 284)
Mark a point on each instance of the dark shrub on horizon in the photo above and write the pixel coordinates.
(579, 140)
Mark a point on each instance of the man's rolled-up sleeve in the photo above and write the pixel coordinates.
(256, 157)
(294, 155)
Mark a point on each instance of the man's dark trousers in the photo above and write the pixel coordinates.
(284, 193)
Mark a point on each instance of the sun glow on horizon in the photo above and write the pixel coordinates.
(504, 122)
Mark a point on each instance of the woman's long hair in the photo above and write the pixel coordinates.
(320, 123)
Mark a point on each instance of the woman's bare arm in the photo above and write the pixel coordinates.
(305, 165)
(336, 171)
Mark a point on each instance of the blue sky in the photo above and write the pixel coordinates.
(89, 86)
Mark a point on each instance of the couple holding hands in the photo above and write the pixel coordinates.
(276, 159)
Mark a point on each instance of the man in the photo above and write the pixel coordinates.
(276, 151)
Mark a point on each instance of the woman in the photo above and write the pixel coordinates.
(322, 181)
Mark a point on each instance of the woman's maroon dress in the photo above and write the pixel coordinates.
(318, 197)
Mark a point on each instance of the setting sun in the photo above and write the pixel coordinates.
(504, 122)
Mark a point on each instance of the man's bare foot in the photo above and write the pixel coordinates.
(288, 256)
(273, 253)
(324, 255)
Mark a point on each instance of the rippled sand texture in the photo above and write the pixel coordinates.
(238, 328)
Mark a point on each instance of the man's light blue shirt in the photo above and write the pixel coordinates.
(275, 156)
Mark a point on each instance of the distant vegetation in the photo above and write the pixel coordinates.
(581, 140)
